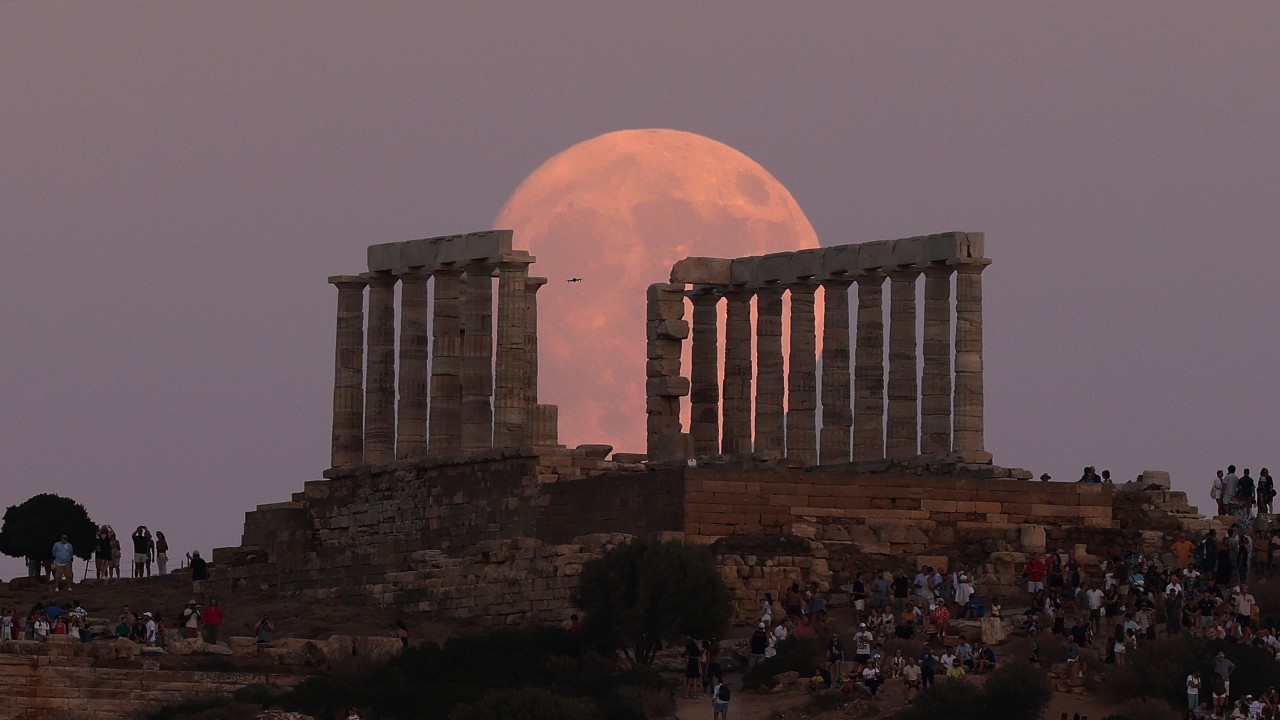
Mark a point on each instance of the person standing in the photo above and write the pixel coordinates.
(213, 618)
(162, 554)
(1229, 486)
(199, 575)
(151, 550)
(1266, 491)
(115, 552)
(1217, 492)
(141, 544)
(63, 557)
(191, 621)
(102, 554)
(1193, 690)
(1245, 490)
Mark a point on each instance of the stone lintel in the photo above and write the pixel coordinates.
(429, 252)
(702, 270)
(351, 280)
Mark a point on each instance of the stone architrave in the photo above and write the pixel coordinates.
(968, 408)
(704, 375)
(665, 328)
(902, 433)
(511, 379)
(802, 377)
(348, 376)
(736, 405)
(837, 416)
(868, 369)
(935, 391)
(477, 358)
(380, 387)
(769, 372)
(411, 420)
(445, 428)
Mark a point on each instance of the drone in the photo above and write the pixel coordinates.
(574, 280)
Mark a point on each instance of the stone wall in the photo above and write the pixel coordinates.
(42, 686)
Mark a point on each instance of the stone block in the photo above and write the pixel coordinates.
(1032, 538)
(808, 263)
(384, 256)
(702, 271)
(667, 387)
(877, 254)
(743, 270)
(419, 254)
(907, 251)
(842, 260)
(774, 267)
(1156, 477)
(595, 451)
(943, 247)
(975, 244)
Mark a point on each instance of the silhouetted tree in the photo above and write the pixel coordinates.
(31, 529)
(639, 595)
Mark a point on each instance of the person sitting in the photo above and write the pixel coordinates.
(907, 623)
(975, 608)
(984, 660)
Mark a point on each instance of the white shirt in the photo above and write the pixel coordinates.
(780, 633)
(1193, 685)
(862, 643)
(1095, 598)
(1244, 604)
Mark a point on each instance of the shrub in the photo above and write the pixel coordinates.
(1146, 710)
(946, 700)
(1156, 669)
(525, 704)
(794, 654)
(1015, 691)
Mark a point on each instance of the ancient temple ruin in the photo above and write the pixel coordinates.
(454, 393)
(941, 414)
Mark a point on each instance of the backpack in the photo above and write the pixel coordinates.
(723, 695)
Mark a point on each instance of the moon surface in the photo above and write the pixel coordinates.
(605, 219)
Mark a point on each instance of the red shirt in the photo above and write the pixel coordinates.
(1035, 571)
(213, 615)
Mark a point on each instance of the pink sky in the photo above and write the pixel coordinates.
(177, 181)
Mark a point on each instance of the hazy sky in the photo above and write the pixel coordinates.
(178, 180)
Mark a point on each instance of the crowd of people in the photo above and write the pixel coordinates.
(1241, 496)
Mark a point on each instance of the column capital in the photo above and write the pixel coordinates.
(449, 271)
(870, 277)
(480, 267)
(906, 273)
(703, 294)
(348, 282)
(510, 261)
(841, 282)
(737, 292)
(802, 285)
(972, 267)
(772, 290)
(379, 279)
(413, 275)
(533, 283)
(938, 271)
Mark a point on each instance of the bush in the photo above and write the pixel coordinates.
(1158, 669)
(946, 700)
(524, 704)
(1016, 691)
(1146, 710)
(794, 654)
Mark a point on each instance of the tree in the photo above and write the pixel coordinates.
(639, 595)
(31, 529)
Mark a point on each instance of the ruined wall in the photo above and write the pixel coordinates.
(43, 687)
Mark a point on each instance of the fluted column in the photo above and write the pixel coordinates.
(348, 376)
(477, 359)
(802, 377)
(380, 388)
(411, 421)
(837, 416)
(769, 378)
(445, 428)
(665, 329)
(868, 369)
(704, 395)
(903, 428)
(935, 391)
(736, 406)
(544, 419)
(968, 391)
(511, 381)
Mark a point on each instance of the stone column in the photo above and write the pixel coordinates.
(904, 412)
(935, 391)
(380, 388)
(802, 377)
(531, 286)
(868, 369)
(769, 379)
(445, 429)
(477, 359)
(665, 329)
(348, 375)
(837, 416)
(968, 435)
(736, 407)
(704, 397)
(511, 382)
(411, 422)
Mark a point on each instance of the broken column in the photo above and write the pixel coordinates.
(411, 420)
(348, 377)
(769, 368)
(445, 428)
(968, 432)
(665, 329)
(868, 370)
(902, 432)
(704, 396)
(837, 417)
(512, 375)
(736, 403)
(935, 393)
(477, 358)
(380, 387)
(544, 419)
(802, 380)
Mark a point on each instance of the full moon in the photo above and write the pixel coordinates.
(605, 219)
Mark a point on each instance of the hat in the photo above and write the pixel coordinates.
(862, 625)
(760, 626)
(146, 614)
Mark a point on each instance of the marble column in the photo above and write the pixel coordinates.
(665, 328)
(802, 377)
(935, 390)
(380, 380)
(445, 428)
(837, 416)
(531, 286)
(477, 358)
(736, 406)
(868, 369)
(904, 413)
(968, 435)
(511, 380)
(411, 421)
(769, 373)
(704, 394)
(348, 375)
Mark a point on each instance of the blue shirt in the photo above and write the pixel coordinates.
(62, 553)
